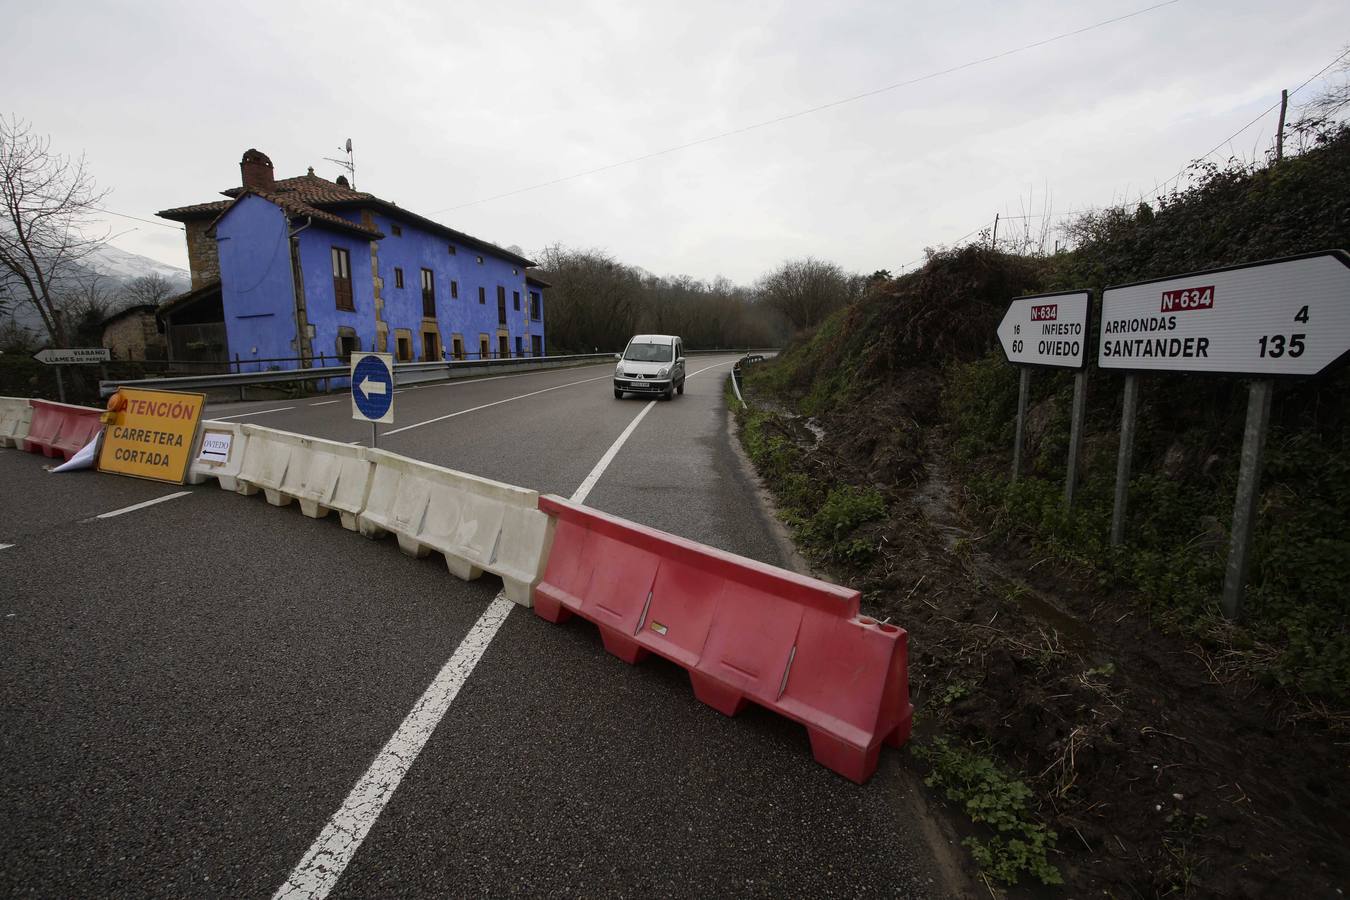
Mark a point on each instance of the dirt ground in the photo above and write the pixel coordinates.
(1162, 772)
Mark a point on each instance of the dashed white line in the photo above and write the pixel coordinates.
(318, 872)
(261, 412)
(462, 412)
(326, 402)
(5, 546)
(135, 506)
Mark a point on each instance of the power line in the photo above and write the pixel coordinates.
(1261, 115)
(813, 109)
(139, 219)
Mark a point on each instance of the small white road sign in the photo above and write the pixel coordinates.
(1047, 330)
(1279, 317)
(72, 356)
(373, 387)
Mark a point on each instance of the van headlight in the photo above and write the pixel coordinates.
(618, 369)
(662, 373)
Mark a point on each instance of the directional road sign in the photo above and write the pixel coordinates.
(373, 387)
(1278, 317)
(73, 356)
(1047, 330)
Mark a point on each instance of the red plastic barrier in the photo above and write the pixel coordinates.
(59, 428)
(744, 631)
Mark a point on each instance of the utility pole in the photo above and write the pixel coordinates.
(1279, 137)
(993, 241)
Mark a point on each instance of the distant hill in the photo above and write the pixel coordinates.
(117, 267)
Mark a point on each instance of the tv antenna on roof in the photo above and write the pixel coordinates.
(349, 163)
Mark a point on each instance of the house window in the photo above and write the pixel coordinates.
(404, 348)
(396, 229)
(431, 349)
(503, 346)
(428, 295)
(520, 346)
(515, 300)
(398, 277)
(452, 250)
(347, 344)
(536, 345)
(501, 305)
(454, 289)
(342, 279)
(534, 305)
(482, 295)
(483, 345)
(458, 343)
(479, 259)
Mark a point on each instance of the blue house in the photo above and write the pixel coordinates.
(303, 271)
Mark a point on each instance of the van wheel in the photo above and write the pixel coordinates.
(680, 389)
(668, 395)
(618, 394)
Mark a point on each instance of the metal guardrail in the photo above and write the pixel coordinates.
(404, 373)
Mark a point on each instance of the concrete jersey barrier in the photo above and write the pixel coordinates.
(745, 631)
(478, 525)
(15, 415)
(60, 429)
(322, 475)
(226, 471)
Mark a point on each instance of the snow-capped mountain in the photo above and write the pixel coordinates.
(123, 266)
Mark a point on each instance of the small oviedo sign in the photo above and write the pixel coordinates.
(151, 434)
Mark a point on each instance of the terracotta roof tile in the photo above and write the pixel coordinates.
(195, 211)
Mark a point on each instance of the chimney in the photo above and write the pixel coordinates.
(342, 180)
(256, 170)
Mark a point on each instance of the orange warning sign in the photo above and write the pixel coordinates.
(151, 434)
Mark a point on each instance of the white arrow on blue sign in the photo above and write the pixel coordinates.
(373, 387)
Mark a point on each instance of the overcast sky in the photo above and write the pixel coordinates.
(450, 103)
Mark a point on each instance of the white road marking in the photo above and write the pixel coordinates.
(580, 494)
(326, 402)
(321, 867)
(6, 546)
(323, 864)
(135, 506)
(261, 412)
(493, 403)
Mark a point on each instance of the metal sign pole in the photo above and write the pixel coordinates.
(1023, 386)
(60, 384)
(1130, 407)
(1079, 412)
(374, 431)
(1248, 492)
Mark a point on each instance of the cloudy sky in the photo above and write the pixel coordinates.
(452, 103)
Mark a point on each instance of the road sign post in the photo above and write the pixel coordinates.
(1019, 432)
(1279, 317)
(372, 386)
(1077, 414)
(1051, 331)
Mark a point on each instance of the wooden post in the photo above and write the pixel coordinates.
(1077, 414)
(993, 241)
(1023, 388)
(60, 384)
(1279, 136)
(237, 369)
(1129, 407)
(1248, 493)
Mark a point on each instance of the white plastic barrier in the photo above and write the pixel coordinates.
(478, 525)
(218, 454)
(322, 475)
(15, 414)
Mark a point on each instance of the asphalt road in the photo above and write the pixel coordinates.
(192, 688)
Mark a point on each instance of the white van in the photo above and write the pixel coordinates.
(650, 364)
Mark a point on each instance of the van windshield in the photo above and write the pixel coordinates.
(648, 352)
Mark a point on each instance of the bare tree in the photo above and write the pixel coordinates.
(48, 201)
(807, 290)
(152, 289)
(1320, 118)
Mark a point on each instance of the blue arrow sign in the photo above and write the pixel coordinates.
(373, 387)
